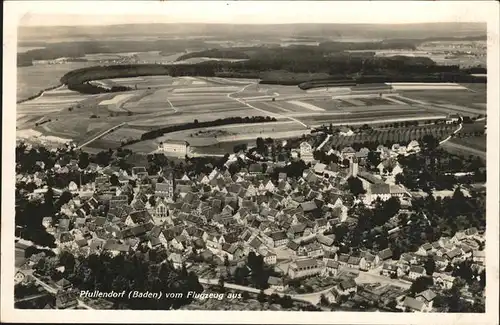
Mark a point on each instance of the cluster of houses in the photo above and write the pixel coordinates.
(219, 217)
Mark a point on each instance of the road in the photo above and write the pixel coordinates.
(313, 298)
(454, 132)
(261, 110)
(100, 135)
(324, 142)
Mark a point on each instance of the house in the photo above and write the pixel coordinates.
(443, 280)
(354, 262)
(331, 268)
(452, 254)
(232, 251)
(304, 267)
(389, 270)
(313, 249)
(347, 287)
(453, 118)
(427, 297)
(63, 284)
(176, 260)
(276, 284)
(412, 304)
(416, 272)
(66, 299)
(269, 258)
(368, 261)
(413, 147)
(278, 238)
(385, 254)
(383, 191)
(345, 131)
(424, 250)
(296, 231)
(478, 256)
(347, 153)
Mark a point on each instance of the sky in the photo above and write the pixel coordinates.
(78, 13)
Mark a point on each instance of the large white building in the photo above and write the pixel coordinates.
(306, 152)
(305, 267)
(177, 147)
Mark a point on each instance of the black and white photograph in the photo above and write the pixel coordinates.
(194, 158)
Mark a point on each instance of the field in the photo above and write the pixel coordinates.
(159, 101)
(475, 146)
(33, 79)
(465, 101)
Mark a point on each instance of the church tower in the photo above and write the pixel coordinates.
(353, 167)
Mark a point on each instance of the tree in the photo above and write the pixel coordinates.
(355, 186)
(83, 160)
(323, 301)
(374, 158)
(430, 265)
(221, 282)
(114, 180)
(421, 284)
(261, 297)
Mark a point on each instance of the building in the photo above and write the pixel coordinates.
(306, 152)
(416, 272)
(427, 297)
(346, 132)
(166, 188)
(331, 268)
(66, 299)
(353, 167)
(453, 118)
(412, 304)
(383, 191)
(276, 283)
(176, 147)
(304, 267)
(279, 238)
(347, 287)
(389, 270)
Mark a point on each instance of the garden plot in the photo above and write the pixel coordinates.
(426, 86)
(354, 102)
(306, 105)
(329, 105)
(115, 104)
(375, 101)
(52, 101)
(226, 89)
(123, 134)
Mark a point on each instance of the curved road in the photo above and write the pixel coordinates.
(261, 110)
(100, 135)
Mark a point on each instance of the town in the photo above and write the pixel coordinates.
(296, 224)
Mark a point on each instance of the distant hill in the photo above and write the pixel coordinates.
(245, 31)
(215, 53)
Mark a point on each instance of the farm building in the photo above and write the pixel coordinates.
(453, 118)
(177, 147)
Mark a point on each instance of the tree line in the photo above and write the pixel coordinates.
(196, 124)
